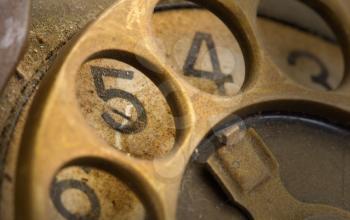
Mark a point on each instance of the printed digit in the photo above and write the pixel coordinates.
(106, 94)
(217, 75)
(322, 77)
(60, 187)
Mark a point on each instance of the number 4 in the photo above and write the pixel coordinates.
(217, 75)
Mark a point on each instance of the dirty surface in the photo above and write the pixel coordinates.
(207, 55)
(86, 191)
(53, 24)
(56, 22)
(311, 61)
(313, 163)
(153, 132)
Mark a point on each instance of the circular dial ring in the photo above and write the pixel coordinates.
(57, 128)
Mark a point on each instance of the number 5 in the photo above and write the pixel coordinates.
(106, 94)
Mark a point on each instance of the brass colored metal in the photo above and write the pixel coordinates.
(250, 175)
(222, 60)
(157, 114)
(299, 50)
(57, 135)
(52, 25)
(106, 197)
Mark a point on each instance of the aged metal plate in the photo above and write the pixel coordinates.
(312, 154)
(309, 60)
(207, 55)
(89, 193)
(45, 39)
(126, 108)
(93, 105)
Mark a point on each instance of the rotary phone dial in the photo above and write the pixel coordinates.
(223, 109)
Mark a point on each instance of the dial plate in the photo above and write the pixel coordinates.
(313, 159)
(200, 35)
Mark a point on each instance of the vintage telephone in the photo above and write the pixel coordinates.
(148, 109)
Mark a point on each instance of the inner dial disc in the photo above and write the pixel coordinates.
(313, 159)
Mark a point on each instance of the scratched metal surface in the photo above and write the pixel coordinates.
(53, 23)
(313, 157)
(47, 37)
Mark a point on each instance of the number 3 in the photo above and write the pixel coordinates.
(322, 77)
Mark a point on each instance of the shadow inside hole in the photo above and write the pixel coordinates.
(83, 192)
(312, 154)
(301, 43)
